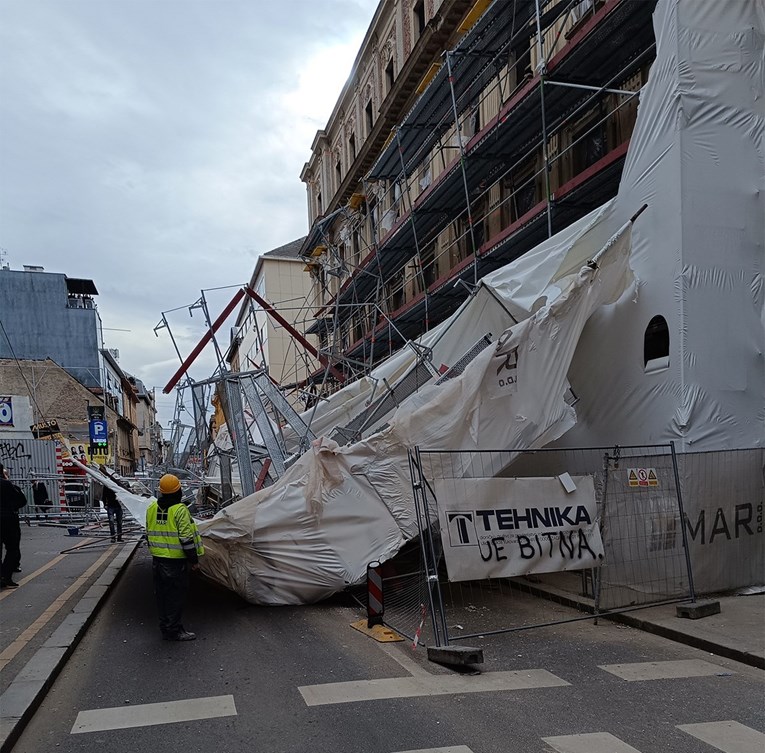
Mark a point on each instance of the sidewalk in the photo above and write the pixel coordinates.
(737, 632)
(64, 581)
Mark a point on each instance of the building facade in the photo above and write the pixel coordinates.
(48, 315)
(52, 334)
(42, 392)
(257, 339)
(517, 125)
(148, 429)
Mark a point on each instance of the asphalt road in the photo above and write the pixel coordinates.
(268, 682)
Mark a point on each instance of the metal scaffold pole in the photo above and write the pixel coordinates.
(462, 165)
(542, 67)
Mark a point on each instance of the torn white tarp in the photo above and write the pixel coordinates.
(697, 158)
(135, 504)
(337, 508)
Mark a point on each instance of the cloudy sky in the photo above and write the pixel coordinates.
(155, 146)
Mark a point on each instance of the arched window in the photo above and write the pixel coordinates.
(656, 345)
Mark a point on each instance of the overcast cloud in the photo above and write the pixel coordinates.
(155, 146)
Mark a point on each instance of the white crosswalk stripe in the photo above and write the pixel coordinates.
(664, 670)
(148, 714)
(431, 685)
(730, 737)
(591, 742)
(450, 749)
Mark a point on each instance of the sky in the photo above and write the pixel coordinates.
(155, 146)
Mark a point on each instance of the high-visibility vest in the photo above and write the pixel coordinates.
(165, 530)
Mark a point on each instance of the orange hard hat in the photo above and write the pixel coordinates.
(169, 484)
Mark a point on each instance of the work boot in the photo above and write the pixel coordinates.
(182, 635)
(12, 584)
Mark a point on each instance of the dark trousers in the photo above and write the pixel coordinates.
(115, 517)
(171, 584)
(10, 542)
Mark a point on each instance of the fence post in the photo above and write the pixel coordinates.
(427, 548)
(682, 524)
(603, 508)
(375, 601)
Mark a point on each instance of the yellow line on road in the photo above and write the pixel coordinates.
(58, 604)
(40, 571)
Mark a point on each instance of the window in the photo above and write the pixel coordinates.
(369, 117)
(319, 208)
(389, 77)
(656, 345)
(418, 16)
(352, 147)
(338, 172)
(589, 145)
(428, 265)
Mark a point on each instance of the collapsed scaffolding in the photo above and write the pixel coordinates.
(535, 87)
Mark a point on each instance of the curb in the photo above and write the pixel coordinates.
(627, 618)
(739, 655)
(27, 691)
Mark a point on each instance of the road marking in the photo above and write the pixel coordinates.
(450, 749)
(10, 651)
(405, 661)
(431, 685)
(592, 742)
(730, 737)
(664, 670)
(149, 714)
(33, 575)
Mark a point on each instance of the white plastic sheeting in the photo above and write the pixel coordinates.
(337, 508)
(697, 159)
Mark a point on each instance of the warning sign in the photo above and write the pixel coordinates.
(642, 477)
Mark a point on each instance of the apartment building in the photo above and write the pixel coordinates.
(466, 135)
(51, 327)
(260, 341)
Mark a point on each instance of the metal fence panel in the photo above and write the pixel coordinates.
(724, 496)
(640, 515)
(27, 459)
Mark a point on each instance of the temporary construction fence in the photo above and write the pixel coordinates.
(595, 530)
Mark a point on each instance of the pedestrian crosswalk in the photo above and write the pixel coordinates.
(728, 736)
(422, 683)
(150, 714)
(665, 670)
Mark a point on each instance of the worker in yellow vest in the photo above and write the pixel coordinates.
(175, 545)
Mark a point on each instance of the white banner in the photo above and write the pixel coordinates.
(500, 527)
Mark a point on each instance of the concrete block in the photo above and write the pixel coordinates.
(457, 655)
(699, 609)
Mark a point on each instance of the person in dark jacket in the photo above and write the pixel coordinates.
(113, 512)
(12, 499)
(40, 497)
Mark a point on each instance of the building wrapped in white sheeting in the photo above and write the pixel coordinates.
(662, 339)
